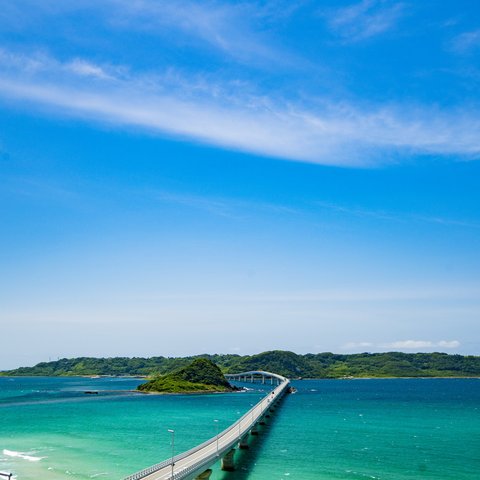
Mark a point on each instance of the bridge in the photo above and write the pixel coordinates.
(195, 463)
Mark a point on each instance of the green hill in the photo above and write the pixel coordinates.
(292, 365)
(285, 363)
(202, 375)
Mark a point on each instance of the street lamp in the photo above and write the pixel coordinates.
(216, 426)
(173, 446)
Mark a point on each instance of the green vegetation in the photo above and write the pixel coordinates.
(319, 365)
(201, 375)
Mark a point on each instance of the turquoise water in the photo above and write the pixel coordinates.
(331, 429)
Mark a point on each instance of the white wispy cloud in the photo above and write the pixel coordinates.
(87, 69)
(402, 345)
(361, 212)
(218, 207)
(223, 207)
(232, 29)
(225, 114)
(466, 42)
(449, 343)
(34, 187)
(416, 344)
(365, 19)
(223, 26)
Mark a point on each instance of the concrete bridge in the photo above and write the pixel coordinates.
(195, 463)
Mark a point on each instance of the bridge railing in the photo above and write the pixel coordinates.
(154, 468)
(281, 378)
(192, 468)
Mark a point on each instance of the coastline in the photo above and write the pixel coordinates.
(135, 377)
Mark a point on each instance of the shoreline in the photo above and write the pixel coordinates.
(188, 393)
(135, 377)
(387, 378)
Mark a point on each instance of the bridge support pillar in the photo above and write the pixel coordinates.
(254, 430)
(204, 475)
(227, 461)
(243, 444)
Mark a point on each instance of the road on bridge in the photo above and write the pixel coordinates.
(198, 459)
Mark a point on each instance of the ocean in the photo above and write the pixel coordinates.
(330, 429)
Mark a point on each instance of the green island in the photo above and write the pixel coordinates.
(202, 375)
(290, 364)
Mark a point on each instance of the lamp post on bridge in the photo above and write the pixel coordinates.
(173, 447)
(216, 426)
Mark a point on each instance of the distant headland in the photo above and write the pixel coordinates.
(289, 364)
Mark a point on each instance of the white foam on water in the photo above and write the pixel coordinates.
(23, 455)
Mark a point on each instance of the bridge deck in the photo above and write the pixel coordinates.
(193, 462)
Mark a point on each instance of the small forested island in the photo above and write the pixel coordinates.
(289, 364)
(202, 375)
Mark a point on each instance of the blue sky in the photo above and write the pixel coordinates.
(188, 177)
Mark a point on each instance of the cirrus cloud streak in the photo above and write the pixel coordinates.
(229, 115)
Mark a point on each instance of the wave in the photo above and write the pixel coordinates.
(13, 453)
